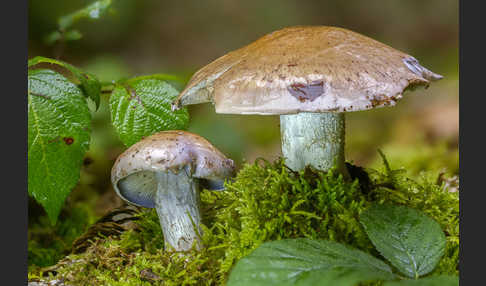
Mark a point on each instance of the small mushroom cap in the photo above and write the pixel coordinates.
(306, 69)
(133, 174)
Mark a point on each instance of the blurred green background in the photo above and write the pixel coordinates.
(142, 37)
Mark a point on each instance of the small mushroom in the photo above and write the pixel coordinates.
(165, 171)
(310, 76)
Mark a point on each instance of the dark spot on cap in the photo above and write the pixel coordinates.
(68, 140)
(209, 164)
(305, 92)
(87, 161)
(292, 65)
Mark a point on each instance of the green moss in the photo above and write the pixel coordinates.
(265, 202)
(47, 243)
(269, 202)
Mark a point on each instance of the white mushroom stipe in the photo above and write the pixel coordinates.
(315, 139)
(177, 205)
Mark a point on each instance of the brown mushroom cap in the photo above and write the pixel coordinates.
(133, 174)
(306, 69)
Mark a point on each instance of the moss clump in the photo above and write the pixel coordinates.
(270, 202)
(265, 202)
(47, 243)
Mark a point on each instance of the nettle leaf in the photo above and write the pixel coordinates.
(411, 241)
(58, 137)
(441, 280)
(142, 107)
(93, 11)
(176, 81)
(307, 262)
(90, 85)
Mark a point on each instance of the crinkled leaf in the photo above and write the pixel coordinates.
(411, 241)
(58, 137)
(307, 262)
(142, 107)
(90, 85)
(92, 11)
(174, 80)
(441, 280)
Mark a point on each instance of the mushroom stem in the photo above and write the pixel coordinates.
(177, 205)
(315, 139)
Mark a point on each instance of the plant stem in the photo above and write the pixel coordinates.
(177, 205)
(315, 139)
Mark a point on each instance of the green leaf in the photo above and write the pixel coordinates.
(411, 241)
(58, 137)
(441, 280)
(174, 80)
(307, 262)
(142, 107)
(93, 11)
(90, 85)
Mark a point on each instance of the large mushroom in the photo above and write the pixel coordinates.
(310, 76)
(164, 171)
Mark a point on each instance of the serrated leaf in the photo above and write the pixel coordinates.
(307, 262)
(90, 85)
(411, 241)
(441, 280)
(174, 80)
(92, 11)
(58, 137)
(143, 107)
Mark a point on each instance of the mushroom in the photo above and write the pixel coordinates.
(310, 76)
(165, 171)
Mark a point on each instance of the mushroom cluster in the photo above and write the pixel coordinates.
(310, 76)
(165, 171)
